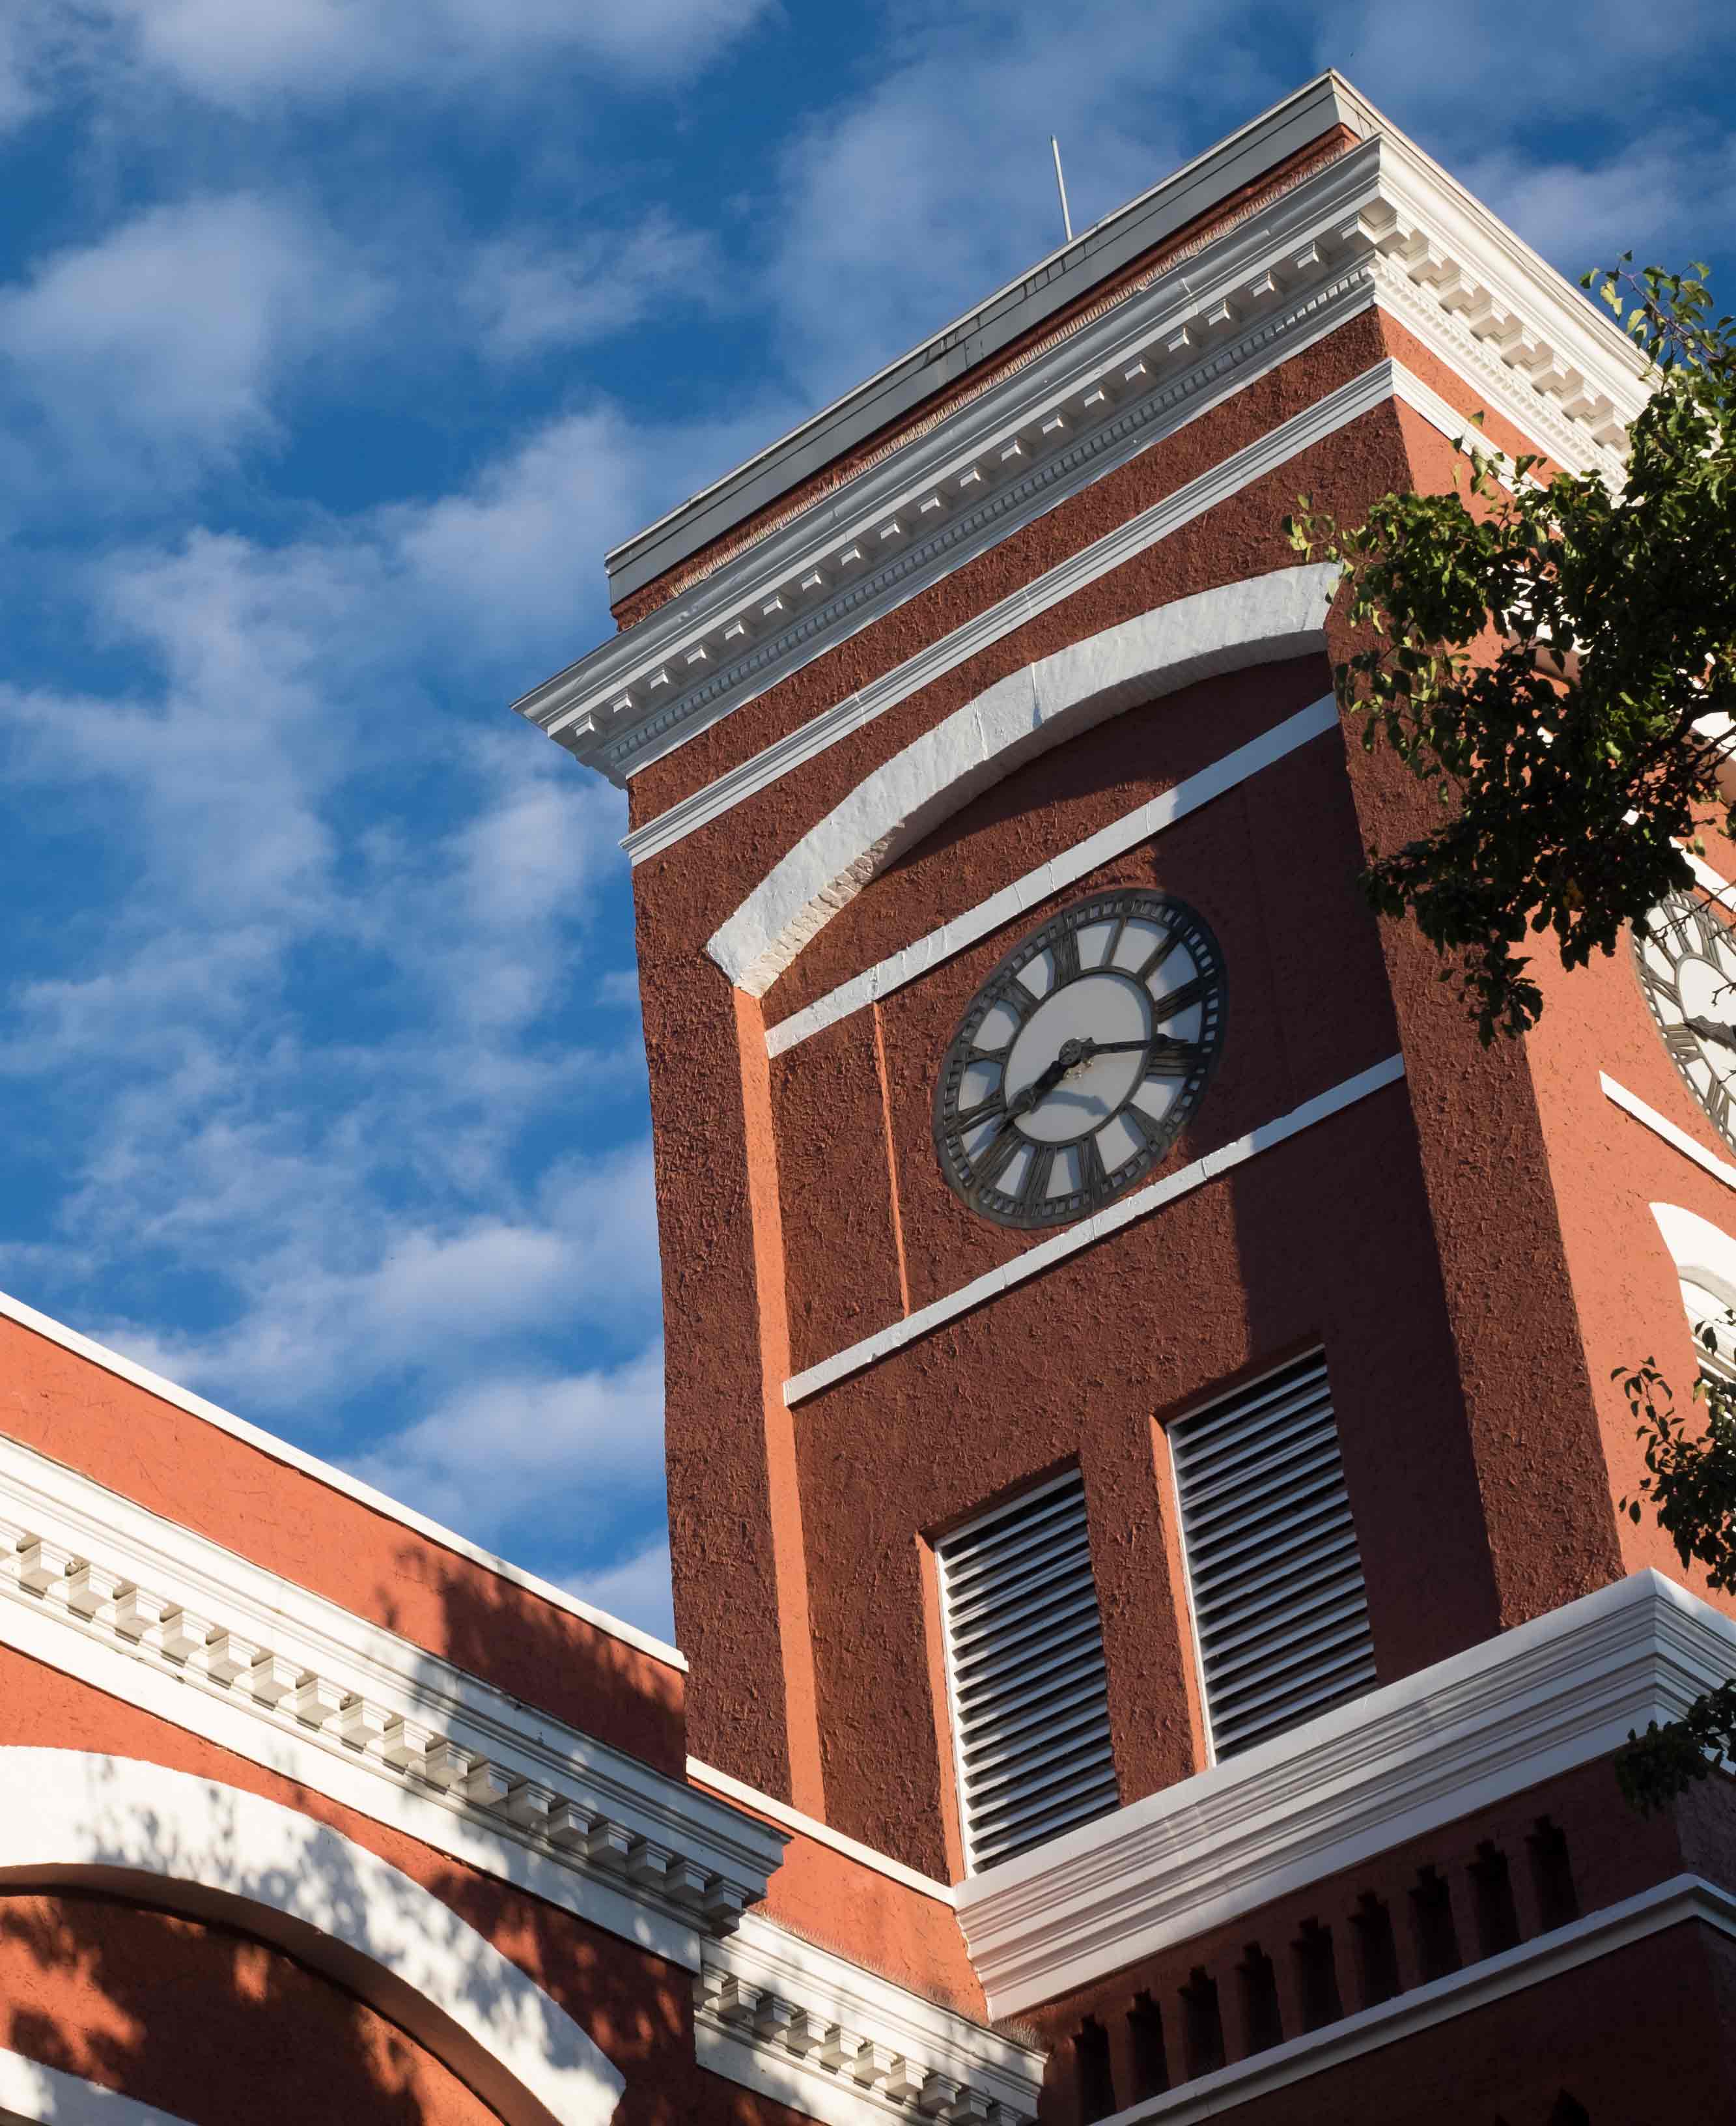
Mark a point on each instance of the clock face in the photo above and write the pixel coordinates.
(1080, 1059)
(1686, 958)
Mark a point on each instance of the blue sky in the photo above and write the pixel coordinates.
(338, 340)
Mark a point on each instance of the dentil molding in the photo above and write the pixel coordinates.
(98, 1587)
(1380, 225)
(791, 2020)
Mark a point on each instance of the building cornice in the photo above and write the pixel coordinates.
(1380, 225)
(1560, 1691)
(784, 2017)
(101, 1588)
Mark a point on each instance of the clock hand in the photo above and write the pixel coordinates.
(1709, 1029)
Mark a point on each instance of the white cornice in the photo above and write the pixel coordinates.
(1379, 224)
(1560, 1691)
(1720, 1169)
(99, 1587)
(336, 1480)
(838, 2043)
(1681, 1900)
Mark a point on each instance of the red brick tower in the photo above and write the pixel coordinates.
(1141, 1455)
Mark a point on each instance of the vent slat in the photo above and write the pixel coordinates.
(1280, 1607)
(1025, 1661)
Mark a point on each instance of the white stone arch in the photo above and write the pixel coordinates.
(211, 1851)
(1259, 622)
(1705, 1256)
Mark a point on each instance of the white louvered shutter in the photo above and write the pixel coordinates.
(1025, 1666)
(1273, 1567)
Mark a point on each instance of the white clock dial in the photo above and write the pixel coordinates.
(1080, 1059)
(1686, 955)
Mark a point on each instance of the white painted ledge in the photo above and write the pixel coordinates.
(138, 1830)
(823, 1834)
(1140, 1204)
(1683, 1900)
(1258, 621)
(1389, 1766)
(1720, 1169)
(336, 1480)
(30, 2091)
(1064, 870)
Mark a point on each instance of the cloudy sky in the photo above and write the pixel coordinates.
(338, 340)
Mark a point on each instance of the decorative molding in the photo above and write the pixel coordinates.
(30, 2091)
(1140, 1204)
(99, 1587)
(779, 2016)
(1720, 1169)
(1558, 1692)
(823, 1834)
(1261, 619)
(336, 1480)
(190, 1844)
(1140, 824)
(1680, 1901)
(1381, 224)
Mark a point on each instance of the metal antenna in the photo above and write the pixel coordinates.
(1061, 186)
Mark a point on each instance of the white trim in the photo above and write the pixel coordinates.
(30, 2090)
(781, 2015)
(216, 1851)
(1140, 1204)
(1560, 1691)
(1257, 621)
(1630, 1103)
(1703, 1253)
(1683, 1898)
(309, 1465)
(99, 1588)
(823, 1834)
(1140, 824)
(1379, 224)
(1386, 380)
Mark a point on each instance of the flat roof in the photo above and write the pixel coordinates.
(1050, 286)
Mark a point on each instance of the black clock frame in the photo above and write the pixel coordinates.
(1098, 1186)
(1685, 915)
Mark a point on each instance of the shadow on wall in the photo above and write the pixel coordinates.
(218, 1957)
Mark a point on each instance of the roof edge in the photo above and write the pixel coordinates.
(1051, 284)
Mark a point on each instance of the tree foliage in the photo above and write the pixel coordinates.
(1558, 659)
(1555, 660)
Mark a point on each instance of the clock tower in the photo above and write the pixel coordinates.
(1142, 1461)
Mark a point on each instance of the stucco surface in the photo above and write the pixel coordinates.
(181, 1466)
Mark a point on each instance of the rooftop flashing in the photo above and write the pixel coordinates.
(1051, 286)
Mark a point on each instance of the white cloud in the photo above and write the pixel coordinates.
(636, 1589)
(500, 1450)
(239, 56)
(155, 352)
(529, 293)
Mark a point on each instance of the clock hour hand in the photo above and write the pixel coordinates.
(1711, 1029)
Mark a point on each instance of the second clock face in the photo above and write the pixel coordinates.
(1080, 1059)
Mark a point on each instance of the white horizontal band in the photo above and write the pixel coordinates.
(1084, 857)
(1140, 1204)
(823, 1834)
(1630, 1103)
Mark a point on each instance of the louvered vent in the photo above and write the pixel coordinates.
(1272, 1562)
(1025, 1663)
